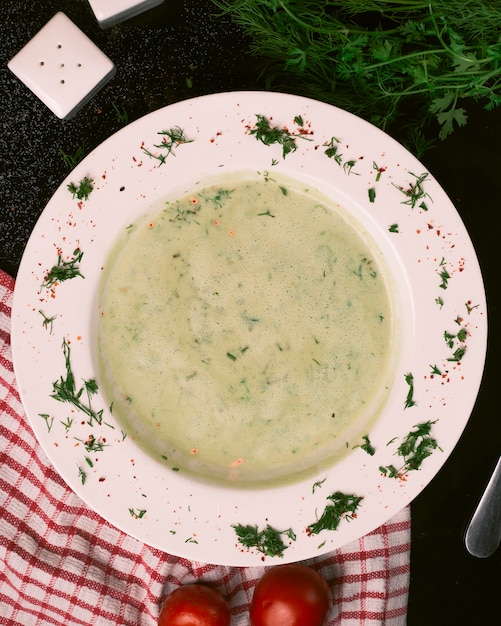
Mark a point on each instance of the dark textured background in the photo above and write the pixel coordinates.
(179, 50)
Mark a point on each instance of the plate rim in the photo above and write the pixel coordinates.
(244, 557)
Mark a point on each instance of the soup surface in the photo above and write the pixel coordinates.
(246, 331)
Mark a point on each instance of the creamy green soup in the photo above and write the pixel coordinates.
(246, 331)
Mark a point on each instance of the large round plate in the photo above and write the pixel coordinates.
(442, 311)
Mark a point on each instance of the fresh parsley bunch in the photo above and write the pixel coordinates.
(385, 60)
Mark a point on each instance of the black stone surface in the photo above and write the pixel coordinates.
(182, 49)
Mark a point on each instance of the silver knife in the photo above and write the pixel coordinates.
(483, 534)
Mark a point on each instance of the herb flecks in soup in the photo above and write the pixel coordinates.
(246, 332)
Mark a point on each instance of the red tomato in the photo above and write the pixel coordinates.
(195, 605)
(291, 595)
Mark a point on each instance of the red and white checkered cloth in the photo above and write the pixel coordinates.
(62, 564)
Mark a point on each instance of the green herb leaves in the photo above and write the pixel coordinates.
(72, 160)
(47, 321)
(332, 152)
(64, 390)
(380, 59)
(367, 446)
(171, 139)
(268, 540)
(409, 400)
(341, 506)
(415, 192)
(416, 446)
(266, 133)
(448, 114)
(456, 342)
(63, 270)
(83, 190)
(444, 275)
(269, 135)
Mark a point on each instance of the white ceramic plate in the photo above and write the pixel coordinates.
(437, 277)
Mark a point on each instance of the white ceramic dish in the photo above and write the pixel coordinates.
(437, 278)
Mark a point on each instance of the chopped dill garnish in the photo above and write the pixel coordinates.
(71, 160)
(92, 444)
(121, 113)
(48, 420)
(367, 446)
(342, 506)
(415, 192)
(409, 400)
(83, 190)
(456, 342)
(444, 275)
(267, 541)
(416, 446)
(172, 138)
(82, 475)
(268, 134)
(64, 270)
(64, 390)
(47, 321)
(318, 484)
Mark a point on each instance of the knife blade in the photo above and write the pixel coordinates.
(483, 534)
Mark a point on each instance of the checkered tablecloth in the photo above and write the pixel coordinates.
(62, 564)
